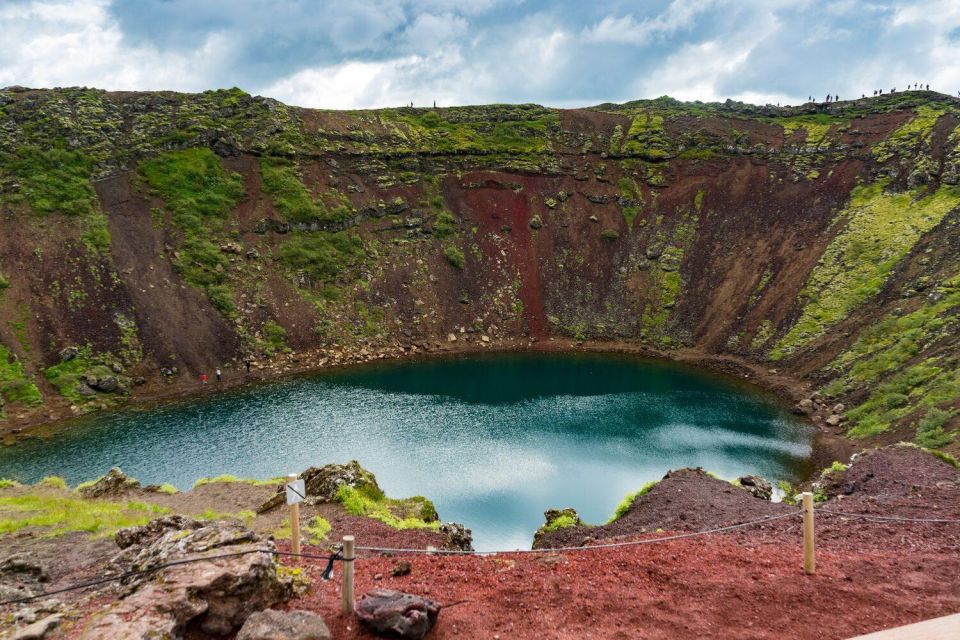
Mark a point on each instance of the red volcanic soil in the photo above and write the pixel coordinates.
(744, 584)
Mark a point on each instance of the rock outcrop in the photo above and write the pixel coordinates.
(322, 483)
(115, 483)
(237, 576)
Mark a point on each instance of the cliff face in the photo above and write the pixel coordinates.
(142, 232)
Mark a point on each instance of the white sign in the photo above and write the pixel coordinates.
(296, 492)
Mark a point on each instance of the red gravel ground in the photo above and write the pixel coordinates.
(744, 584)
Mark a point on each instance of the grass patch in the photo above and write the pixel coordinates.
(930, 431)
(53, 180)
(6, 483)
(199, 194)
(275, 336)
(62, 515)
(321, 257)
(231, 478)
(627, 502)
(564, 521)
(15, 386)
(455, 257)
(66, 376)
(292, 199)
(53, 482)
(370, 502)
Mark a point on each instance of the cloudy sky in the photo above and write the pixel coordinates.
(372, 53)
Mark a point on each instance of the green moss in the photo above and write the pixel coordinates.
(292, 199)
(321, 257)
(15, 386)
(199, 194)
(564, 521)
(930, 431)
(275, 336)
(7, 483)
(647, 138)
(610, 234)
(4, 283)
(444, 226)
(53, 482)
(910, 135)
(55, 180)
(96, 234)
(317, 529)
(412, 513)
(66, 376)
(880, 230)
(168, 489)
(455, 256)
(627, 502)
(62, 515)
(232, 478)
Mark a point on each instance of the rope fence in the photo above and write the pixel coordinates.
(345, 552)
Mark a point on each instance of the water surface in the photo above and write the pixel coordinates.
(492, 439)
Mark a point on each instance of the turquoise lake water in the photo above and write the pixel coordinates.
(492, 439)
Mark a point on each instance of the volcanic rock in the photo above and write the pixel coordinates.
(458, 536)
(284, 625)
(323, 483)
(389, 612)
(220, 593)
(757, 486)
(115, 483)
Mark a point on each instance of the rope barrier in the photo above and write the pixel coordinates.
(609, 545)
(338, 555)
(176, 563)
(868, 516)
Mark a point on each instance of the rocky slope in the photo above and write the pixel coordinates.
(148, 237)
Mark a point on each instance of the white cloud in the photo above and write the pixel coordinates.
(628, 30)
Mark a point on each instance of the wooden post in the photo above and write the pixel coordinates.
(348, 562)
(294, 521)
(809, 557)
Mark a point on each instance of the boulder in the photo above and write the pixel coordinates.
(284, 625)
(115, 483)
(458, 536)
(758, 487)
(388, 612)
(323, 483)
(804, 407)
(69, 353)
(833, 420)
(536, 222)
(240, 578)
(107, 384)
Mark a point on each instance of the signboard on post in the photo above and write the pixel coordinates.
(296, 492)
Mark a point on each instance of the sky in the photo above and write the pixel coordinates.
(567, 53)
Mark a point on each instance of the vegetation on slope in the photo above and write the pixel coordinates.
(880, 229)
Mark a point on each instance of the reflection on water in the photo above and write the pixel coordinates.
(492, 439)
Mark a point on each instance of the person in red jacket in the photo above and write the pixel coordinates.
(203, 378)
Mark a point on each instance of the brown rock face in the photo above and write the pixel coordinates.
(237, 578)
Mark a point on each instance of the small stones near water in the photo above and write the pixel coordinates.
(757, 486)
(804, 408)
(284, 625)
(115, 483)
(833, 420)
(388, 612)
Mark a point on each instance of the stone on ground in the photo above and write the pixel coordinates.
(389, 612)
(284, 625)
(115, 483)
